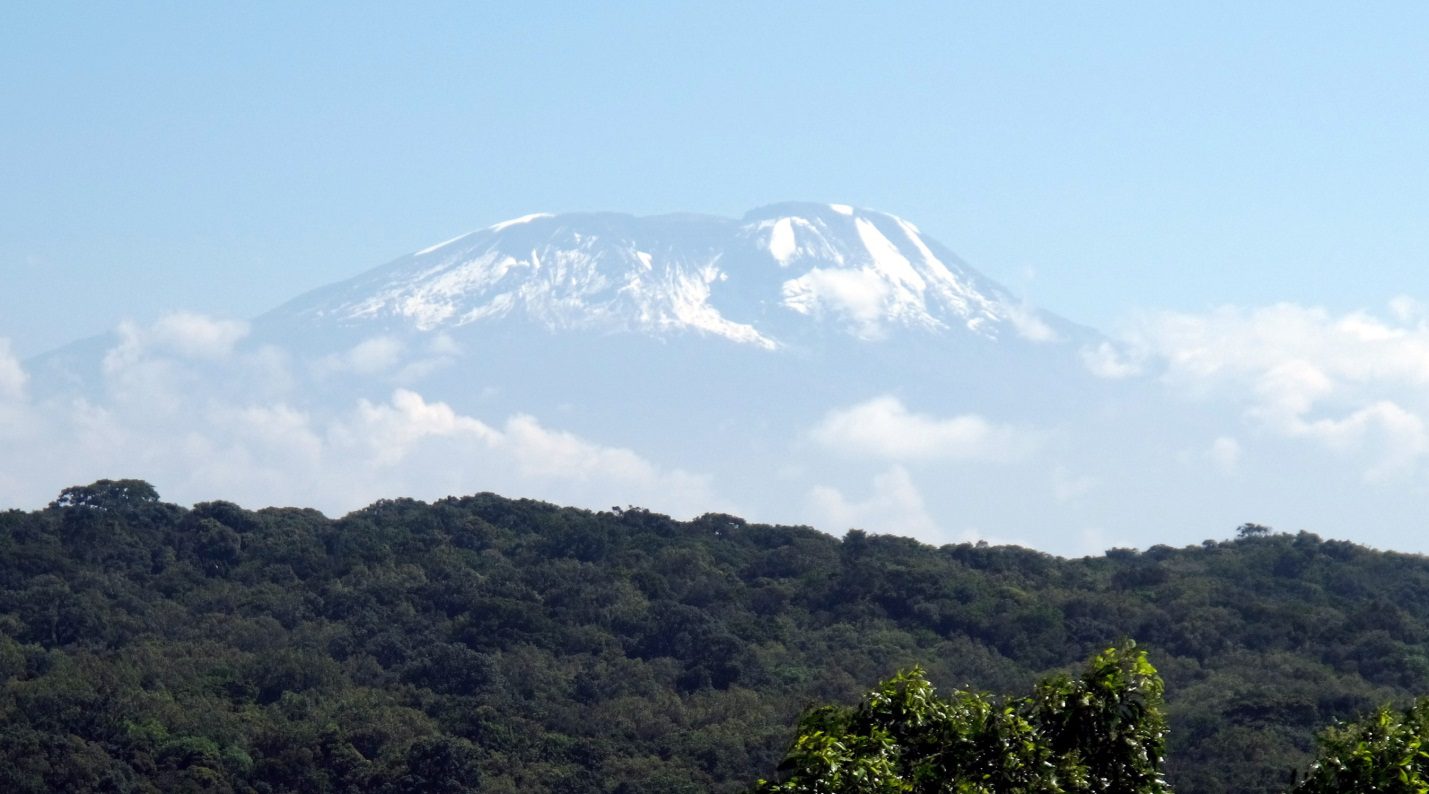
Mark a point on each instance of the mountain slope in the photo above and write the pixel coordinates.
(763, 280)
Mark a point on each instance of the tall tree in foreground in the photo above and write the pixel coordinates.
(1100, 732)
(1387, 751)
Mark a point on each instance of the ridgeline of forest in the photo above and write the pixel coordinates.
(510, 645)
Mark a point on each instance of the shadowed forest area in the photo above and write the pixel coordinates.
(511, 645)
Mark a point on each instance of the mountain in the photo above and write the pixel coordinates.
(780, 276)
(807, 363)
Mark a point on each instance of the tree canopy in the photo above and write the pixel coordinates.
(1387, 751)
(1100, 732)
(510, 645)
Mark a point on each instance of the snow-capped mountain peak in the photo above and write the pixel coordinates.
(873, 271)
(754, 281)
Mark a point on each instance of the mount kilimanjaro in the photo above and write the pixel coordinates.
(808, 363)
(779, 277)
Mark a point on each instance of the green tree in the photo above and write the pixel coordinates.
(1386, 752)
(107, 494)
(1252, 530)
(1100, 732)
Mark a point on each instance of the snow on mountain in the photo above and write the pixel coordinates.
(754, 281)
(873, 271)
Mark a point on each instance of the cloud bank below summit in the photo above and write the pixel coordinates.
(884, 428)
(190, 404)
(181, 406)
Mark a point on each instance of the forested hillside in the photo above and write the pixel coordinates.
(513, 645)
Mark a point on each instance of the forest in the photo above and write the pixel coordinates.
(491, 644)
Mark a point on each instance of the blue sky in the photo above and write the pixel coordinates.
(1238, 191)
(1103, 160)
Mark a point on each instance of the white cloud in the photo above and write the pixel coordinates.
(442, 344)
(276, 428)
(1354, 383)
(185, 335)
(1093, 540)
(371, 356)
(157, 388)
(1406, 309)
(390, 432)
(391, 357)
(547, 453)
(404, 430)
(12, 375)
(266, 372)
(858, 296)
(15, 418)
(894, 506)
(247, 428)
(977, 535)
(440, 351)
(155, 370)
(202, 444)
(1028, 325)
(196, 336)
(1398, 435)
(883, 427)
(1355, 348)
(1106, 360)
(1225, 452)
(1067, 486)
(272, 450)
